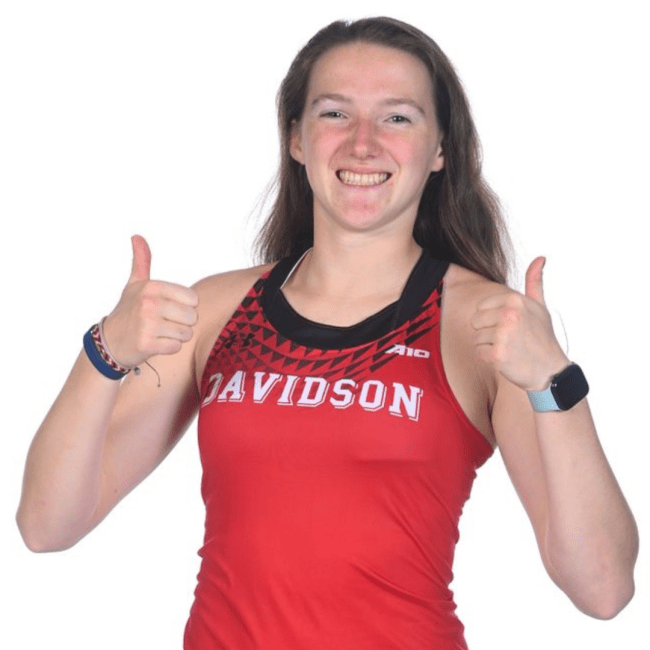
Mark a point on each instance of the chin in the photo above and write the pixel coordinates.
(365, 223)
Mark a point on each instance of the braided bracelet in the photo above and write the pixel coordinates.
(100, 356)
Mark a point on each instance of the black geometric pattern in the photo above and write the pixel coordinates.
(249, 342)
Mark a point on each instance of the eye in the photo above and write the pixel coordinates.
(332, 114)
(399, 119)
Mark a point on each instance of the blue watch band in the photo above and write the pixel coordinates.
(542, 401)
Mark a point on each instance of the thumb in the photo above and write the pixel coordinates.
(534, 288)
(141, 259)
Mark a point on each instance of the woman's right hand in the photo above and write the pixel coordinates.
(151, 317)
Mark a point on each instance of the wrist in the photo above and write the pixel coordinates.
(106, 335)
(564, 391)
(100, 356)
(553, 368)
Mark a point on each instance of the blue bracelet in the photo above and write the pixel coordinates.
(96, 358)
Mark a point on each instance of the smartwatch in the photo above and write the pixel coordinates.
(566, 390)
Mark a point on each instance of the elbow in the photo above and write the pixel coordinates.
(36, 545)
(31, 540)
(610, 602)
(601, 584)
(38, 542)
(602, 596)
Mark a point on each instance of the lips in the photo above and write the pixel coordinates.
(362, 180)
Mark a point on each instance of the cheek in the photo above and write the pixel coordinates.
(407, 149)
(426, 160)
(321, 148)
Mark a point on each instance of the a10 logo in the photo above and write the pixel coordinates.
(403, 351)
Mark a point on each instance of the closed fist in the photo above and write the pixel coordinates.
(152, 317)
(514, 333)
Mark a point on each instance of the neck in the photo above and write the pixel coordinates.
(357, 267)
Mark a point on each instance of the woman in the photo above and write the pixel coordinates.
(354, 387)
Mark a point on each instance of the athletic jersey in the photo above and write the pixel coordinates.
(336, 462)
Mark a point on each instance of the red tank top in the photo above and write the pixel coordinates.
(336, 462)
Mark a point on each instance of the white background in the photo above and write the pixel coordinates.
(158, 118)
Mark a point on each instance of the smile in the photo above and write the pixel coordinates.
(350, 178)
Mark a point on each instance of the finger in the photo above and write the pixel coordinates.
(176, 293)
(494, 301)
(141, 266)
(485, 336)
(486, 354)
(534, 288)
(486, 318)
(167, 346)
(173, 331)
(168, 338)
(176, 312)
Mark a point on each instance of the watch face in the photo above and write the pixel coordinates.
(569, 387)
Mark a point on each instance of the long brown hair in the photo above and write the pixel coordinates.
(459, 218)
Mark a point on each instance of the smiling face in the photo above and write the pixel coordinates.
(368, 138)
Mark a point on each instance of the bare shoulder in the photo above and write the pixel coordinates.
(219, 296)
(473, 382)
(471, 284)
(221, 289)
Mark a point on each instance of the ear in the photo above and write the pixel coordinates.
(439, 160)
(295, 143)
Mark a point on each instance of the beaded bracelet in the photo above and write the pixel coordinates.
(100, 356)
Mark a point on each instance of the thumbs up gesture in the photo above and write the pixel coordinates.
(514, 333)
(151, 317)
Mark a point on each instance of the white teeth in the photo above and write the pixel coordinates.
(350, 178)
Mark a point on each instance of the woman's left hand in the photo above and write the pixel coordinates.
(514, 334)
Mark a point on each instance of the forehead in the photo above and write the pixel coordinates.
(367, 70)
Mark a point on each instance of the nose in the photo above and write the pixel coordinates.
(363, 139)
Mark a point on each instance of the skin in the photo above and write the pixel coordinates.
(101, 439)
(368, 116)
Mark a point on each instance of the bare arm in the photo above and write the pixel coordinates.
(586, 533)
(101, 438)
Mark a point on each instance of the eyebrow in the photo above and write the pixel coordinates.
(392, 101)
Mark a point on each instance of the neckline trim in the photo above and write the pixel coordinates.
(425, 276)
